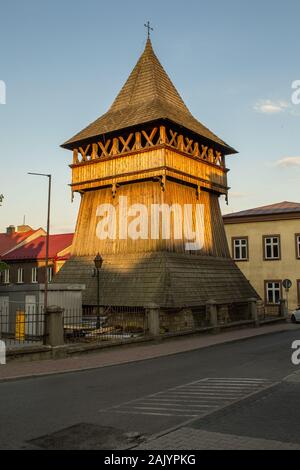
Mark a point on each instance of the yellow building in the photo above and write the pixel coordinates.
(265, 243)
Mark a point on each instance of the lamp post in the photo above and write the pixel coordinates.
(98, 264)
(47, 237)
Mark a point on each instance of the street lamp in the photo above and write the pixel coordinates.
(47, 237)
(98, 264)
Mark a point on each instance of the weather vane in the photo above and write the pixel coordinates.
(147, 25)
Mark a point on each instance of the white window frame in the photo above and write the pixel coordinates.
(238, 244)
(272, 244)
(270, 286)
(50, 273)
(20, 276)
(6, 276)
(34, 273)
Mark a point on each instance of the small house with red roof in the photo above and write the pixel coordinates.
(15, 237)
(26, 261)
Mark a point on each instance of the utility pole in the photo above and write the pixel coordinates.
(47, 238)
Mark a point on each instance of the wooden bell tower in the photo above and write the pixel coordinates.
(149, 149)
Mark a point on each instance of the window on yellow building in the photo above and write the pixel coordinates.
(273, 292)
(240, 249)
(271, 247)
(298, 245)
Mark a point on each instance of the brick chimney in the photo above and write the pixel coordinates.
(10, 230)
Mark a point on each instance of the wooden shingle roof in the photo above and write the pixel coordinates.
(166, 279)
(148, 95)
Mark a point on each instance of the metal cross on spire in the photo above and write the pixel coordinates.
(147, 25)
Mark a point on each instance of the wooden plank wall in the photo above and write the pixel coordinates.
(86, 242)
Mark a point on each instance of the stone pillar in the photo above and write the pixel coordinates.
(283, 312)
(212, 312)
(252, 305)
(152, 313)
(54, 324)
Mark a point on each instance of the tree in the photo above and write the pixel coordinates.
(1, 198)
(3, 266)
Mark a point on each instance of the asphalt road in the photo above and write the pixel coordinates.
(89, 409)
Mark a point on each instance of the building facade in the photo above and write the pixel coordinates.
(265, 243)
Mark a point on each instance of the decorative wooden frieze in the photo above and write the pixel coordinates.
(94, 152)
(84, 153)
(162, 135)
(75, 157)
(140, 140)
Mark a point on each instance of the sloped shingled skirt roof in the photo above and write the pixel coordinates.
(167, 279)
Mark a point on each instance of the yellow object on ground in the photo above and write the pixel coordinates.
(20, 325)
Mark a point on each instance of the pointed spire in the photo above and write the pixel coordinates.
(148, 95)
(148, 81)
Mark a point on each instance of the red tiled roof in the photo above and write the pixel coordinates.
(9, 241)
(284, 207)
(36, 249)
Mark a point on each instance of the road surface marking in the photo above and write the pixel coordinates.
(194, 399)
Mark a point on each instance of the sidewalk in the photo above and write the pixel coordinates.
(132, 353)
(187, 438)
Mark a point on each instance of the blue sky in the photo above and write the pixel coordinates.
(64, 61)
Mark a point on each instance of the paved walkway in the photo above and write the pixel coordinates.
(132, 353)
(197, 439)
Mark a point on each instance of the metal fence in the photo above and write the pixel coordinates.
(21, 324)
(112, 324)
(24, 324)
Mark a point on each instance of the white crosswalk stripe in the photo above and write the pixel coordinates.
(194, 399)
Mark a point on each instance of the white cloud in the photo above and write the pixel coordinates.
(288, 161)
(270, 107)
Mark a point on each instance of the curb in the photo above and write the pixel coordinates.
(128, 361)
